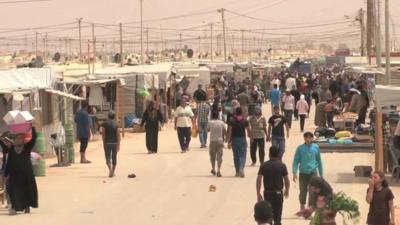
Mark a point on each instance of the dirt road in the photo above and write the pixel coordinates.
(171, 188)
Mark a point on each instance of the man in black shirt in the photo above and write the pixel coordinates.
(111, 141)
(276, 131)
(274, 174)
(200, 95)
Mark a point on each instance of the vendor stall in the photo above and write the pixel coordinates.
(384, 98)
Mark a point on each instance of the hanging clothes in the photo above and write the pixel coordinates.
(96, 96)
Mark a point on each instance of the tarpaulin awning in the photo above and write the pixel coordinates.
(64, 94)
(386, 96)
(26, 79)
(92, 82)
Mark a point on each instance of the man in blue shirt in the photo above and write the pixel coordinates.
(82, 121)
(308, 160)
(275, 96)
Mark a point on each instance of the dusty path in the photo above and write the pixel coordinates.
(171, 188)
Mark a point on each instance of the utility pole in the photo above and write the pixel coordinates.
(44, 48)
(222, 11)
(378, 34)
(242, 45)
(36, 44)
(94, 48)
(370, 28)
(147, 41)
(180, 40)
(387, 42)
(80, 38)
(199, 44)
(211, 42)
(361, 20)
(26, 42)
(141, 32)
(120, 45)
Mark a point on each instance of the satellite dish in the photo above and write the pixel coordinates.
(57, 57)
(189, 53)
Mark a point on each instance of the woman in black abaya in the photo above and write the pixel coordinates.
(19, 174)
(151, 119)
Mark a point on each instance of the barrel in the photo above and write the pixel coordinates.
(40, 147)
(69, 142)
(40, 169)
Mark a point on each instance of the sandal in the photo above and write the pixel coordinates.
(132, 175)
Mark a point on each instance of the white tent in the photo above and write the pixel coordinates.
(26, 79)
(387, 96)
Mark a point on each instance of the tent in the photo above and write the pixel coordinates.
(26, 79)
(386, 96)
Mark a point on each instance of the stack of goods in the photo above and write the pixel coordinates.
(18, 122)
(345, 121)
(342, 137)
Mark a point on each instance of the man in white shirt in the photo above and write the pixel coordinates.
(275, 81)
(184, 119)
(263, 213)
(288, 103)
(291, 83)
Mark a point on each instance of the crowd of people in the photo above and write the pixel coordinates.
(234, 116)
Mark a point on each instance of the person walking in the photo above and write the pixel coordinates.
(308, 161)
(303, 109)
(111, 136)
(275, 175)
(275, 96)
(258, 125)
(276, 131)
(184, 119)
(203, 112)
(22, 188)
(217, 130)
(83, 130)
(288, 105)
(151, 120)
(236, 139)
(380, 199)
(329, 110)
(245, 101)
(200, 95)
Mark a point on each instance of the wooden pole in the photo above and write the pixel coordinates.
(379, 150)
(211, 42)
(94, 48)
(120, 45)
(387, 42)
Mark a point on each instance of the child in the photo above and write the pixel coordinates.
(217, 135)
(329, 111)
(380, 200)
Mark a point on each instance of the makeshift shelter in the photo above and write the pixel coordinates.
(385, 96)
(33, 90)
(190, 75)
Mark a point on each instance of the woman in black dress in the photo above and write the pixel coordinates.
(151, 119)
(19, 174)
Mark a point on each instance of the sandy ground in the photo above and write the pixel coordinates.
(172, 188)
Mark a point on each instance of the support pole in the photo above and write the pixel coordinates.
(378, 34)
(387, 42)
(211, 42)
(222, 11)
(120, 45)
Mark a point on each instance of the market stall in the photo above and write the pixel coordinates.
(386, 101)
(345, 137)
